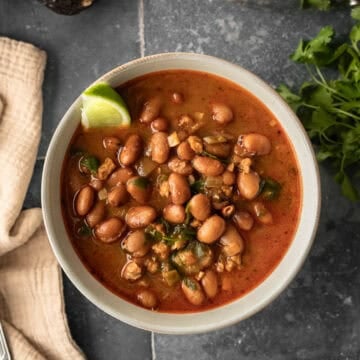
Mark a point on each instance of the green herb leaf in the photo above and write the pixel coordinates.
(347, 189)
(141, 182)
(355, 36)
(315, 51)
(197, 187)
(183, 232)
(171, 233)
(90, 162)
(319, 4)
(295, 101)
(323, 154)
(154, 235)
(205, 153)
(329, 107)
(270, 189)
(355, 13)
(190, 283)
(84, 230)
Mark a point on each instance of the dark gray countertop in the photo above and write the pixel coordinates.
(318, 315)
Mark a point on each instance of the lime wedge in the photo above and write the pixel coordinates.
(103, 106)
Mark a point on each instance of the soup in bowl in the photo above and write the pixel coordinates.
(194, 215)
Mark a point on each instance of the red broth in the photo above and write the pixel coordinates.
(265, 244)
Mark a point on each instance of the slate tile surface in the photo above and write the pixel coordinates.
(317, 317)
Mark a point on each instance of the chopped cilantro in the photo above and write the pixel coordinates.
(84, 230)
(171, 233)
(90, 162)
(197, 186)
(205, 153)
(329, 107)
(190, 283)
(141, 182)
(270, 189)
(355, 13)
(327, 4)
(319, 4)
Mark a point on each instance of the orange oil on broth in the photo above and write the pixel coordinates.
(265, 244)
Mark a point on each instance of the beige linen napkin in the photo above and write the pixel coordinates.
(31, 300)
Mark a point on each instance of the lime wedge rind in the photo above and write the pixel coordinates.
(103, 106)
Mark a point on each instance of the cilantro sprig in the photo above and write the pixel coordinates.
(171, 233)
(328, 4)
(319, 4)
(329, 106)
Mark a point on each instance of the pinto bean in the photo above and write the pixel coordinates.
(231, 241)
(196, 144)
(111, 143)
(255, 144)
(177, 98)
(136, 243)
(221, 113)
(210, 284)
(109, 230)
(96, 214)
(139, 188)
(84, 200)
(147, 299)
(211, 229)
(120, 176)
(140, 216)
(131, 271)
(220, 150)
(243, 220)
(192, 291)
(179, 189)
(150, 110)
(262, 213)
(184, 151)
(228, 178)
(131, 151)
(248, 184)
(159, 124)
(159, 147)
(174, 214)
(200, 207)
(207, 166)
(118, 195)
(181, 167)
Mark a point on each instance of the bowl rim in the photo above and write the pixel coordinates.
(181, 323)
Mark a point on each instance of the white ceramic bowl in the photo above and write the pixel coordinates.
(224, 315)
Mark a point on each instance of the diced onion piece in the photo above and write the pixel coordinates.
(171, 277)
(102, 194)
(215, 139)
(213, 182)
(173, 139)
(191, 179)
(145, 166)
(119, 212)
(198, 116)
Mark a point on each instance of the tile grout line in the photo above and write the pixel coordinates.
(153, 352)
(141, 27)
(142, 54)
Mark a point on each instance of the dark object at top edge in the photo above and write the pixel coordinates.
(67, 7)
